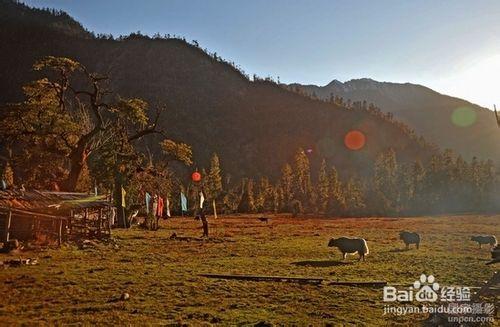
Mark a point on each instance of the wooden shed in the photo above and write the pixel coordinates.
(49, 217)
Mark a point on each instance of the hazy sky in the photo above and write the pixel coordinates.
(451, 46)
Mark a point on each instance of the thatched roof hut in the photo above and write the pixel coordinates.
(44, 215)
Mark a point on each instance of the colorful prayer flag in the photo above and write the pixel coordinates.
(202, 199)
(123, 197)
(184, 203)
(159, 209)
(168, 208)
(148, 200)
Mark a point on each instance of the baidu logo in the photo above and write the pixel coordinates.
(425, 289)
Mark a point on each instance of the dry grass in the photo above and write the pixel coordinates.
(72, 285)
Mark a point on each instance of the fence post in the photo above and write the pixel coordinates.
(7, 226)
(59, 232)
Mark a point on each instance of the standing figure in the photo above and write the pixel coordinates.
(204, 221)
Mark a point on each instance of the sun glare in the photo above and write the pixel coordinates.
(476, 81)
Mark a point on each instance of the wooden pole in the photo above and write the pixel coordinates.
(85, 224)
(108, 219)
(59, 232)
(360, 283)
(7, 226)
(70, 226)
(99, 222)
(124, 219)
(308, 280)
(266, 278)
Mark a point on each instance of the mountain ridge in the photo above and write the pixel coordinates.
(425, 110)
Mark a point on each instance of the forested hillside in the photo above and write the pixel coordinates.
(254, 126)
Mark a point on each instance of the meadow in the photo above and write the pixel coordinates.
(83, 284)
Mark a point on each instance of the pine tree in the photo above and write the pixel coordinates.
(269, 199)
(264, 198)
(302, 187)
(406, 186)
(385, 182)
(354, 197)
(286, 184)
(487, 181)
(231, 200)
(459, 191)
(323, 188)
(277, 199)
(336, 197)
(213, 185)
(432, 182)
(247, 203)
(417, 196)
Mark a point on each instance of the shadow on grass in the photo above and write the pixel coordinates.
(322, 263)
(399, 250)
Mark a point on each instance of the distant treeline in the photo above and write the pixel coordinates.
(446, 184)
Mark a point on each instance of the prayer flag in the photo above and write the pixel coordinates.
(159, 209)
(168, 208)
(202, 199)
(184, 202)
(148, 200)
(123, 197)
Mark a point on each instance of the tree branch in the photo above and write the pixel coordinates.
(151, 129)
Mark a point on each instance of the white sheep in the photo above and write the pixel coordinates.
(350, 245)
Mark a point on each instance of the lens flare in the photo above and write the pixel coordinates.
(196, 176)
(463, 117)
(354, 140)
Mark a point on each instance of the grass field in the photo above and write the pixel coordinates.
(72, 285)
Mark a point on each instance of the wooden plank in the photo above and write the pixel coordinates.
(266, 278)
(108, 221)
(16, 212)
(99, 223)
(308, 280)
(358, 283)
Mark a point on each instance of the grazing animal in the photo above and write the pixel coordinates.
(410, 238)
(264, 219)
(495, 255)
(484, 239)
(350, 245)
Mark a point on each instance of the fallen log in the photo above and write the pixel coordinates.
(359, 283)
(266, 278)
(305, 280)
(174, 237)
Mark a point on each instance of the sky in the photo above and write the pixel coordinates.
(450, 46)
